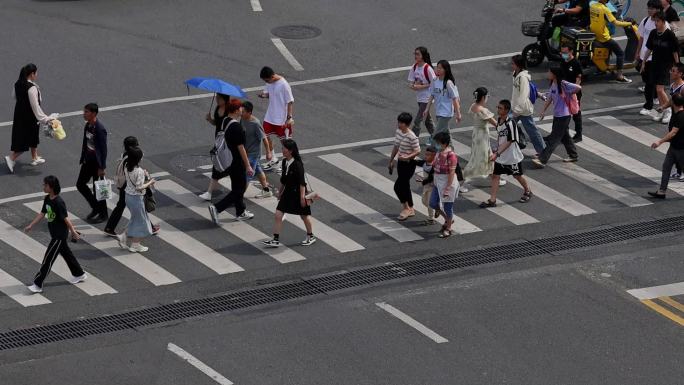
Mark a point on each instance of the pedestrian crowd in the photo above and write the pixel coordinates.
(241, 141)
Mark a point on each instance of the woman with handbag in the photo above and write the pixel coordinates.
(562, 95)
(139, 225)
(292, 196)
(28, 114)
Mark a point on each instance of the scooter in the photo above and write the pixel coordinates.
(589, 52)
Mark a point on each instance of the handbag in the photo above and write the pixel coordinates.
(311, 195)
(103, 189)
(149, 200)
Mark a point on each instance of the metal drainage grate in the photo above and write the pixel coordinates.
(334, 282)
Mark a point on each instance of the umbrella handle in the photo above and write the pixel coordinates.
(212, 103)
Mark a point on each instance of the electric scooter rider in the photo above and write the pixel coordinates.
(576, 14)
(600, 16)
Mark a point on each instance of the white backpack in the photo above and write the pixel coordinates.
(221, 157)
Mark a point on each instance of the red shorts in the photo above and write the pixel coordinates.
(283, 132)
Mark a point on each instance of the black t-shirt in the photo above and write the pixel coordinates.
(571, 71)
(582, 19)
(235, 136)
(218, 121)
(671, 15)
(55, 212)
(677, 121)
(663, 46)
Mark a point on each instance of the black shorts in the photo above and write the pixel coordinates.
(216, 174)
(660, 76)
(508, 169)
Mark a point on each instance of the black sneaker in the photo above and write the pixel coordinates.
(310, 239)
(577, 138)
(100, 218)
(92, 215)
(271, 243)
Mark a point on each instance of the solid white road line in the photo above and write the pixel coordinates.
(241, 230)
(620, 159)
(408, 320)
(17, 291)
(630, 132)
(595, 182)
(287, 54)
(140, 265)
(199, 365)
(658, 291)
(64, 190)
(35, 250)
(375, 219)
(374, 179)
(189, 245)
(324, 233)
(256, 5)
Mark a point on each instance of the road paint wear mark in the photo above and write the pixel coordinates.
(140, 265)
(620, 159)
(17, 291)
(408, 320)
(35, 250)
(631, 132)
(199, 365)
(239, 229)
(652, 292)
(256, 5)
(386, 186)
(64, 189)
(324, 233)
(663, 311)
(287, 54)
(189, 245)
(595, 182)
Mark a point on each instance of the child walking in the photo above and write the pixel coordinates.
(60, 226)
(428, 181)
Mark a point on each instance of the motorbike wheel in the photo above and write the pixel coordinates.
(533, 55)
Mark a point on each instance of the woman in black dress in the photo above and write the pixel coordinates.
(217, 122)
(27, 116)
(292, 195)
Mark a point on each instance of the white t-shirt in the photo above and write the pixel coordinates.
(417, 76)
(508, 132)
(279, 95)
(644, 30)
(444, 97)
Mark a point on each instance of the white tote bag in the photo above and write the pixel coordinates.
(103, 189)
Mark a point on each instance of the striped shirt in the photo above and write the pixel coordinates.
(406, 142)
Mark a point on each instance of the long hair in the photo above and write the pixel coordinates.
(291, 146)
(448, 75)
(519, 62)
(557, 72)
(425, 54)
(26, 71)
(135, 154)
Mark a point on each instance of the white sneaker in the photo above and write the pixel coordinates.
(10, 164)
(138, 248)
(273, 161)
(667, 115)
(37, 161)
(271, 243)
(35, 289)
(246, 215)
(463, 189)
(646, 112)
(310, 239)
(656, 116)
(123, 240)
(214, 214)
(78, 279)
(206, 196)
(264, 193)
(642, 89)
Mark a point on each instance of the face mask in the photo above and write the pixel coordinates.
(565, 56)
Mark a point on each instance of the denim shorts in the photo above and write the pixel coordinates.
(256, 166)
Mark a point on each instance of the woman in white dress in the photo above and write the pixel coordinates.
(480, 164)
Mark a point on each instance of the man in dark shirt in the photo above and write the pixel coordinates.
(675, 136)
(576, 14)
(572, 72)
(671, 14)
(93, 162)
(663, 45)
(239, 167)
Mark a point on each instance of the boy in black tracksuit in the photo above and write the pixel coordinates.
(60, 226)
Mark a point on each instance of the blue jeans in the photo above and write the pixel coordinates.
(448, 207)
(532, 132)
(256, 166)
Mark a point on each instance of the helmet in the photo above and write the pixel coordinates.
(654, 4)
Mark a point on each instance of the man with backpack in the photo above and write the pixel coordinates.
(229, 154)
(524, 95)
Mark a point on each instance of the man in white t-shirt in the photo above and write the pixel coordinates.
(507, 156)
(645, 27)
(278, 119)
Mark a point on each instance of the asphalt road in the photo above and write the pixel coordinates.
(557, 318)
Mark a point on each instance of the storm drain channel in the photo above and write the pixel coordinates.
(329, 283)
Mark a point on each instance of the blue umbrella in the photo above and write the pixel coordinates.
(217, 86)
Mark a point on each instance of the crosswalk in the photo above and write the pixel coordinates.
(357, 213)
